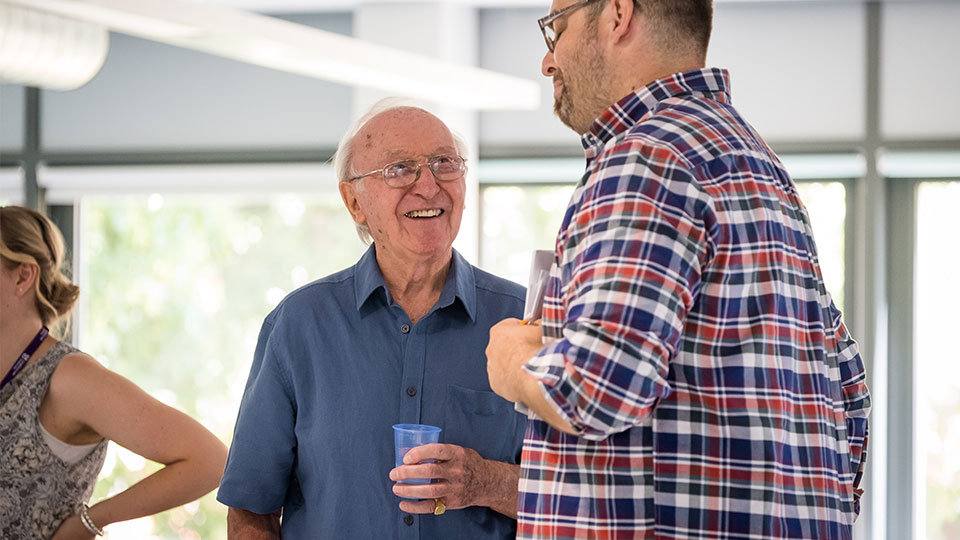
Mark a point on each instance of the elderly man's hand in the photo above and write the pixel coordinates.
(462, 478)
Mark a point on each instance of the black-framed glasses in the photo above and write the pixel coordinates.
(546, 22)
(403, 173)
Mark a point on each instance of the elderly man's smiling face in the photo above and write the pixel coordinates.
(415, 222)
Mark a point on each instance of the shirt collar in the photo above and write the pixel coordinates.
(460, 284)
(713, 83)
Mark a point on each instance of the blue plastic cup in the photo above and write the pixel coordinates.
(407, 436)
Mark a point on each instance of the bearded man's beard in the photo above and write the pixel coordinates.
(582, 96)
(561, 107)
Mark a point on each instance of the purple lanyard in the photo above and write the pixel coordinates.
(25, 355)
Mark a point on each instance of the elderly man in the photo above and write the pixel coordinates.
(697, 380)
(397, 338)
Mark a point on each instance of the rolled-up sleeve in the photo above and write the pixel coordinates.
(630, 269)
(264, 445)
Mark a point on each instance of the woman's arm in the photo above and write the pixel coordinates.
(84, 393)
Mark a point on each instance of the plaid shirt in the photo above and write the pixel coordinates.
(692, 343)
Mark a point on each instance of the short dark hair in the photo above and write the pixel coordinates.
(681, 26)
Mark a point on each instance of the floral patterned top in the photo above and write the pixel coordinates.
(38, 490)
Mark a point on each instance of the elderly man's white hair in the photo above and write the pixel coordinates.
(343, 158)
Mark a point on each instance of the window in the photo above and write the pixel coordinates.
(826, 204)
(517, 219)
(937, 363)
(11, 186)
(176, 288)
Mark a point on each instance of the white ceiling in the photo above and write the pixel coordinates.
(311, 6)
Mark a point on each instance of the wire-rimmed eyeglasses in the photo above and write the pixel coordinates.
(403, 173)
(546, 22)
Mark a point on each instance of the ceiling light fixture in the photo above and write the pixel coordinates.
(47, 50)
(286, 46)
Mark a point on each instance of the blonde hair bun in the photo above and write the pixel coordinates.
(29, 237)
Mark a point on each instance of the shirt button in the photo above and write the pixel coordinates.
(405, 328)
(411, 391)
(408, 519)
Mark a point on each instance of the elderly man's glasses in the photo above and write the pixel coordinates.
(546, 23)
(403, 173)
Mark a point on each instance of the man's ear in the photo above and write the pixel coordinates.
(623, 23)
(27, 275)
(348, 192)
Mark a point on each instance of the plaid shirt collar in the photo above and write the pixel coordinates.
(713, 83)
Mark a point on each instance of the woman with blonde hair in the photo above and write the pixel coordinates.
(59, 407)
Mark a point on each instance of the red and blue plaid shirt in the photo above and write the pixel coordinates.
(715, 388)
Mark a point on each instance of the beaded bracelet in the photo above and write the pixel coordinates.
(88, 523)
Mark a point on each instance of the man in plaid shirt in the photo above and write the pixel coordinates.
(696, 380)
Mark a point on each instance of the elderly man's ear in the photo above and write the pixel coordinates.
(348, 192)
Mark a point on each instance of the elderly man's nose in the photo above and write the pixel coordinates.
(548, 66)
(427, 184)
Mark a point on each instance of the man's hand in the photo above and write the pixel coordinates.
(512, 344)
(462, 478)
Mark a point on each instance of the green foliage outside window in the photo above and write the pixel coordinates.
(516, 221)
(174, 291)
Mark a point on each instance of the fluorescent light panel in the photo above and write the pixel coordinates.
(48, 50)
(286, 46)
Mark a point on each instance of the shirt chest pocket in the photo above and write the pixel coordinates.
(483, 421)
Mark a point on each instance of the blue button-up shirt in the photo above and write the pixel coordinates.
(337, 364)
